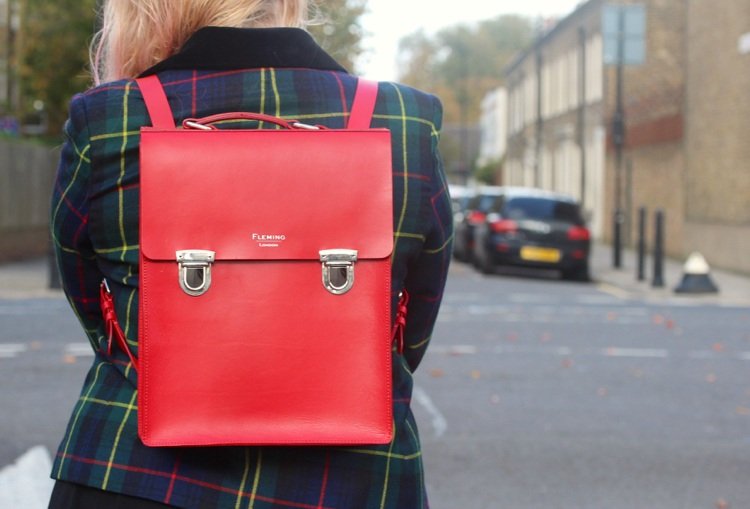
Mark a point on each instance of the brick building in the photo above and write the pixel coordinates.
(717, 152)
(687, 115)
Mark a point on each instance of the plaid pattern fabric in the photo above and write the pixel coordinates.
(95, 229)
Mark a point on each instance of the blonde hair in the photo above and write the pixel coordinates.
(136, 34)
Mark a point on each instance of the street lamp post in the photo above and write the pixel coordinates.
(624, 34)
(618, 137)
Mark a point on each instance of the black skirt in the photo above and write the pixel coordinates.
(67, 495)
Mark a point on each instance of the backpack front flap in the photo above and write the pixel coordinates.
(264, 194)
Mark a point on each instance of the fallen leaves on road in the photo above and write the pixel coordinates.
(476, 374)
(722, 504)
(436, 372)
(711, 378)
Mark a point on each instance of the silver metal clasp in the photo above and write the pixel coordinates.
(195, 270)
(338, 269)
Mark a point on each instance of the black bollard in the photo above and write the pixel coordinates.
(617, 239)
(641, 243)
(658, 280)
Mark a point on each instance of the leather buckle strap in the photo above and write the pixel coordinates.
(111, 325)
(399, 324)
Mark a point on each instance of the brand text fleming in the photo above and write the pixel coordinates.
(262, 237)
(268, 239)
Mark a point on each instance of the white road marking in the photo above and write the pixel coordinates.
(564, 351)
(531, 298)
(25, 308)
(439, 424)
(10, 350)
(614, 291)
(643, 353)
(533, 350)
(79, 350)
(481, 310)
(26, 483)
(576, 313)
(454, 350)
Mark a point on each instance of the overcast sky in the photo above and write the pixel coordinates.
(389, 20)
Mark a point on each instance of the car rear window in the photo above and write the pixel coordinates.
(542, 208)
(482, 202)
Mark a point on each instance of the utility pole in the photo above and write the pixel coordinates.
(618, 135)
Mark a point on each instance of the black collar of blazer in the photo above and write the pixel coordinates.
(222, 48)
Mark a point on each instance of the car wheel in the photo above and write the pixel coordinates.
(482, 261)
(580, 273)
(484, 265)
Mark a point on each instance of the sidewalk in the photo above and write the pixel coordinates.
(26, 279)
(30, 278)
(734, 289)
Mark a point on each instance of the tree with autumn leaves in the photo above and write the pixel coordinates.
(459, 64)
(53, 43)
(55, 36)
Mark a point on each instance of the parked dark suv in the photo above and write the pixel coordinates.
(473, 215)
(533, 228)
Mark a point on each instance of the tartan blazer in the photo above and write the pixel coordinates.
(94, 222)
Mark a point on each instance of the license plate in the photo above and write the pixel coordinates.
(540, 254)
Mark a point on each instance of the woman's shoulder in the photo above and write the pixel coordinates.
(401, 99)
(104, 91)
(101, 108)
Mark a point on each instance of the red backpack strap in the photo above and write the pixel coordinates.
(156, 102)
(363, 105)
(161, 114)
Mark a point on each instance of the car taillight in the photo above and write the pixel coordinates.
(476, 217)
(502, 247)
(578, 233)
(504, 226)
